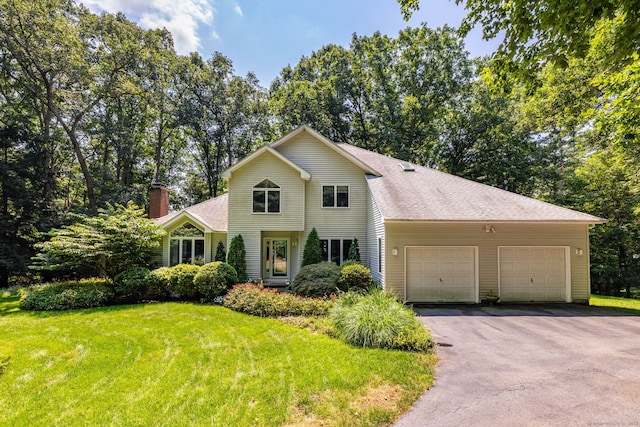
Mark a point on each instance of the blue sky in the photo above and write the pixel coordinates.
(264, 36)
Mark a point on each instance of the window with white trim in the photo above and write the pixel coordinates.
(335, 196)
(335, 250)
(266, 197)
(186, 245)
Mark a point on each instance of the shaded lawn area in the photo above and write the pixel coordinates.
(188, 364)
(624, 304)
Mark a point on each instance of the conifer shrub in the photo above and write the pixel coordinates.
(237, 257)
(316, 280)
(312, 253)
(354, 251)
(214, 279)
(221, 254)
(85, 293)
(354, 277)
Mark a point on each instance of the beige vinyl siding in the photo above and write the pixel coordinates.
(243, 221)
(375, 231)
(401, 234)
(328, 167)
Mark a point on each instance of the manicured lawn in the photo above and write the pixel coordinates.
(625, 304)
(175, 364)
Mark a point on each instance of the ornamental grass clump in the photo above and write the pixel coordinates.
(378, 320)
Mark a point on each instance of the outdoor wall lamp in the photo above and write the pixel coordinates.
(394, 251)
(489, 229)
(578, 251)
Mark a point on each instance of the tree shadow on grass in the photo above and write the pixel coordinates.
(11, 306)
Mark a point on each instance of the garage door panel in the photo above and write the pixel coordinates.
(441, 274)
(536, 274)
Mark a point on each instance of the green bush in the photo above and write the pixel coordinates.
(215, 279)
(181, 280)
(258, 301)
(316, 280)
(312, 253)
(236, 257)
(158, 283)
(378, 320)
(67, 295)
(354, 276)
(131, 283)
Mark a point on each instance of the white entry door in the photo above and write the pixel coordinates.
(441, 274)
(276, 258)
(534, 274)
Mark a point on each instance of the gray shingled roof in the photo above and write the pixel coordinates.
(212, 212)
(430, 195)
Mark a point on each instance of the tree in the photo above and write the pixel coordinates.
(312, 253)
(548, 31)
(236, 257)
(115, 240)
(221, 255)
(354, 251)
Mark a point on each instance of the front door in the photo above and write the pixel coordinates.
(276, 258)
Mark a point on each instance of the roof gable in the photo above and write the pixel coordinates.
(260, 152)
(327, 142)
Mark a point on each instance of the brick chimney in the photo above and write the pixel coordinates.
(158, 200)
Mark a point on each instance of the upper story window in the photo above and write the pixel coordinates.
(266, 197)
(335, 196)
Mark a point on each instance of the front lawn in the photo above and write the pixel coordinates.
(625, 304)
(188, 364)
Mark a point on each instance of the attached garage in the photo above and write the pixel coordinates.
(441, 274)
(534, 273)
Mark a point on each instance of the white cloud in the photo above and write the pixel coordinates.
(237, 9)
(181, 17)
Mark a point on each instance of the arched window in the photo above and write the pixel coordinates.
(266, 197)
(186, 245)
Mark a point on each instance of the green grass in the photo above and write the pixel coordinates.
(625, 304)
(175, 364)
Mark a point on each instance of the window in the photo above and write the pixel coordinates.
(266, 197)
(186, 245)
(379, 255)
(335, 196)
(335, 250)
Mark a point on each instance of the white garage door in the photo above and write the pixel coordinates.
(533, 274)
(441, 274)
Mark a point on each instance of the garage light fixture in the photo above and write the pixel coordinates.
(489, 229)
(394, 251)
(578, 251)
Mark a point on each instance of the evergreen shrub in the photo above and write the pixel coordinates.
(317, 280)
(215, 279)
(67, 295)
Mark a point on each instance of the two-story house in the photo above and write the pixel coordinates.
(426, 235)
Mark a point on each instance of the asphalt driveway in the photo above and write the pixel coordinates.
(536, 365)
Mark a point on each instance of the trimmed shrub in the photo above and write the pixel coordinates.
(316, 280)
(158, 283)
(181, 280)
(354, 276)
(67, 295)
(237, 257)
(312, 253)
(258, 301)
(131, 283)
(215, 279)
(378, 320)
